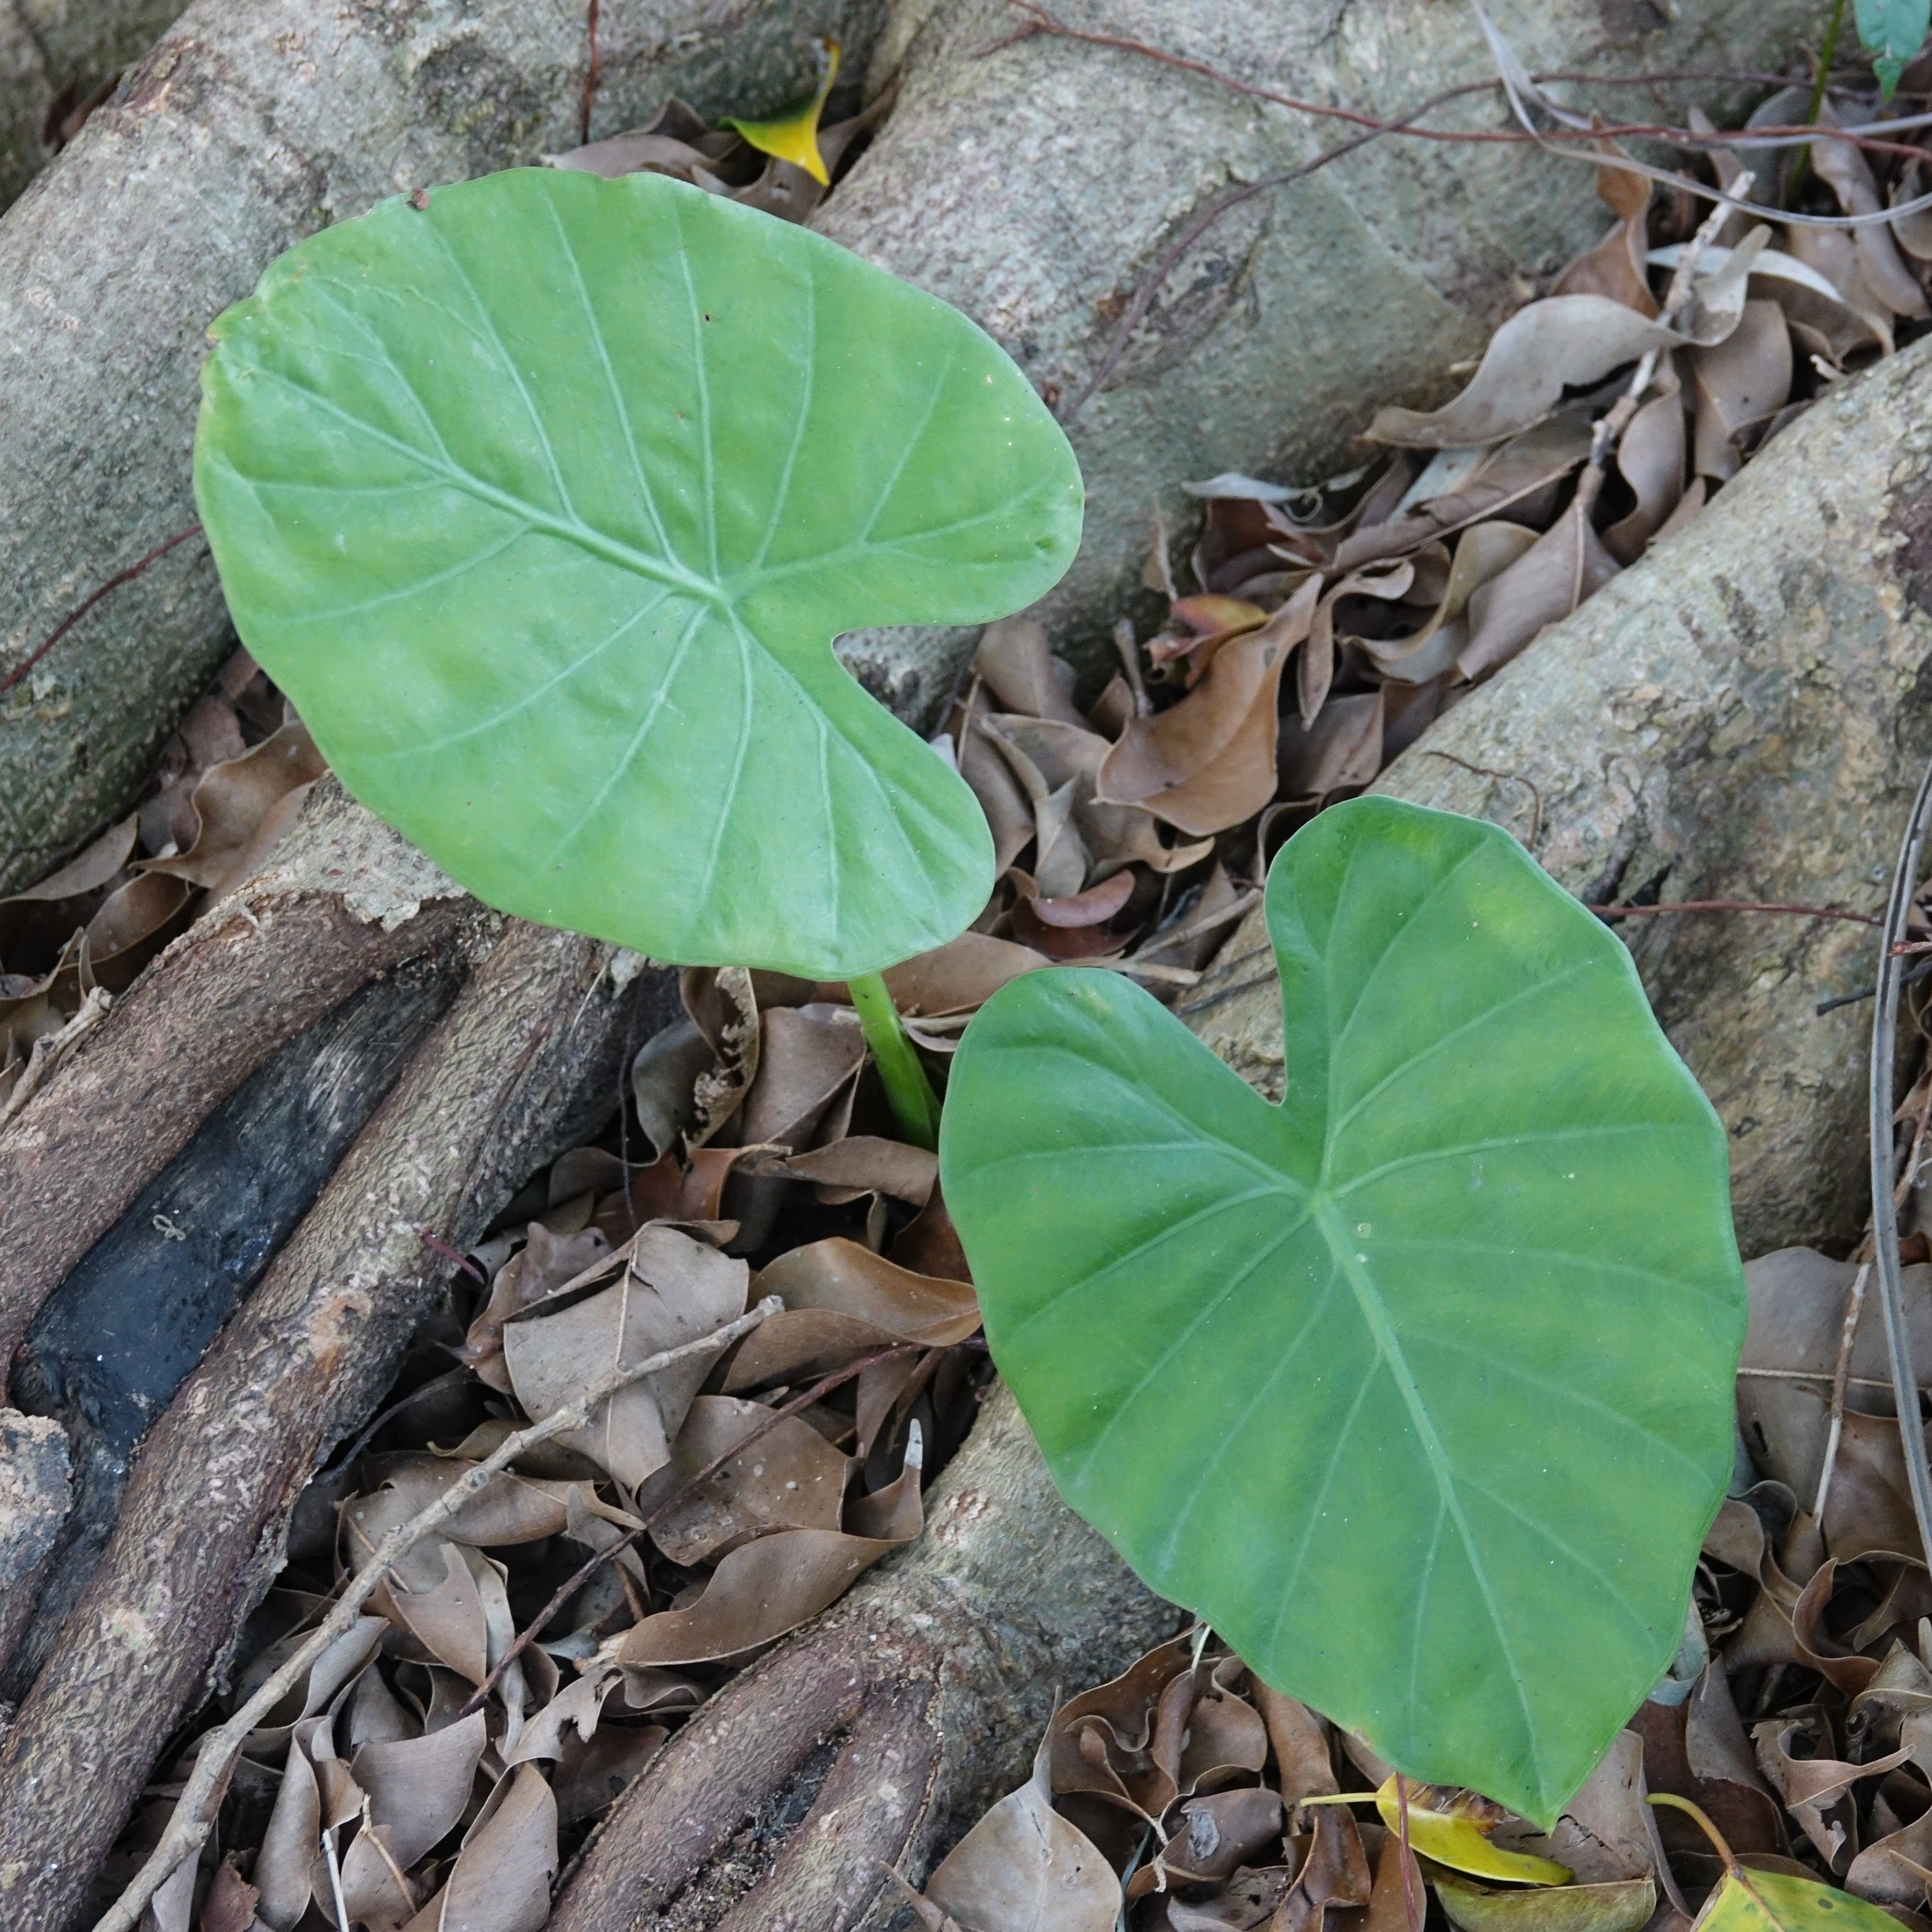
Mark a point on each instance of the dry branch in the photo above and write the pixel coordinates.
(235, 988)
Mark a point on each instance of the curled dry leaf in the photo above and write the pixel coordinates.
(1739, 385)
(243, 809)
(1566, 342)
(1023, 1868)
(670, 1289)
(1615, 267)
(1208, 762)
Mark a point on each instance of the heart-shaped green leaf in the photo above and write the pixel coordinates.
(1417, 1386)
(545, 502)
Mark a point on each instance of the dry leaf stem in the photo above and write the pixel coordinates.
(1855, 1302)
(191, 1822)
(1609, 429)
(677, 1499)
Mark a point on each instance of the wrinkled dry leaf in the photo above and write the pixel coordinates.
(1566, 342)
(501, 1880)
(1023, 1868)
(1740, 384)
(1616, 266)
(671, 1289)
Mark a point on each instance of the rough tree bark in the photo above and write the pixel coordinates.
(344, 900)
(55, 56)
(1035, 187)
(252, 124)
(1744, 713)
(526, 1059)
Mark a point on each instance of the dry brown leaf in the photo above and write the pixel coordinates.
(664, 1082)
(501, 1880)
(990, 771)
(671, 1289)
(1616, 267)
(860, 1165)
(1740, 383)
(1208, 762)
(1650, 457)
(960, 976)
(759, 1592)
(723, 1005)
(1520, 476)
(1315, 672)
(545, 1263)
(243, 809)
(573, 1712)
(282, 1865)
(419, 1789)
(1842, 166)
(230, 1904)
(791, 1478)
(589, 1776)
(1484, 550)
(1020, 670)
(1023, 1868)
(808, 1060)
(1565, 565)
(1566, 342)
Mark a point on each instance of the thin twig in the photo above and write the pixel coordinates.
(80, 610)
(190, 1823)
(1855, 1303)
(1885, 1215)
(1608, 432)
(1040, 22)
(1811, 1375)
(571, 1584)
(590, 72)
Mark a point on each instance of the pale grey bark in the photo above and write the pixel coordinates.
(1035, 186)
(55, 56)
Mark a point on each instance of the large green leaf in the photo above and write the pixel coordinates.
(545, 502)
(1417, 1386)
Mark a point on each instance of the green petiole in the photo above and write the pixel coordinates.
(915, 1105)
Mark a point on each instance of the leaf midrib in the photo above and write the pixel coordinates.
(1327, 1214)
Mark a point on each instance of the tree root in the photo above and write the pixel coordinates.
(526, 1060)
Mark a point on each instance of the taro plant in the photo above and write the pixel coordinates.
(544, 499)
(1416, 1386)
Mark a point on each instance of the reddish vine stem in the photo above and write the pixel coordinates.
(590, 72)
(1040, 23)
(73, 616)
(1734, 905)
(681, 1494)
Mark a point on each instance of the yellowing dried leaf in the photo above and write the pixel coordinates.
(793, 137)
(1453, 1828)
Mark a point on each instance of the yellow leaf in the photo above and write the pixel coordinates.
(794, 137)
(1449, 1828)
(1763, 1901)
